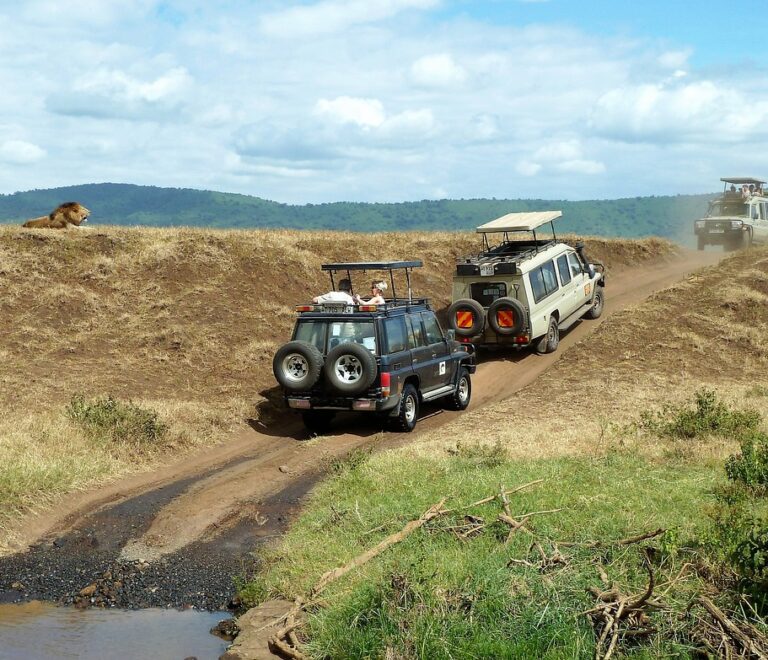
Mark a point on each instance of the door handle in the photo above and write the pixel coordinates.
(434, 355)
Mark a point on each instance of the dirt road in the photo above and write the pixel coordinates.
(177, 535)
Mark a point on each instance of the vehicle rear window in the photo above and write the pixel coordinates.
(562, 268)
(486, 292)
(394, 329)
(329, 334)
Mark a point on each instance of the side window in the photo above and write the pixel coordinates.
(573, 260)
(550, 279)
(415, 332)
(755, 212)
(537, 284)
(394, 329)
(432, 327)
(543, 281)
(563, 269)
(764, 208)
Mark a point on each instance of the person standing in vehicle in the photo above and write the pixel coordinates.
(343, 295)
(377, 289)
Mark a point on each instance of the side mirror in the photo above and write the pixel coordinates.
(450, 334)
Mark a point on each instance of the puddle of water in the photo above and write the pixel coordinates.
(46, 632)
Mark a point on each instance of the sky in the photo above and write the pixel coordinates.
(384, 100)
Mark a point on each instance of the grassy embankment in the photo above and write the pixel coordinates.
(622, 448)
(184, 323)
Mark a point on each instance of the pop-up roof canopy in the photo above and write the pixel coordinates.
(740, 180)
(519, 221)
(373, 265)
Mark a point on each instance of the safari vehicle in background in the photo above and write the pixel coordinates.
(737, 218)
(525, 289)
(382, 359)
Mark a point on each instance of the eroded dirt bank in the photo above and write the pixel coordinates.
(176, 536)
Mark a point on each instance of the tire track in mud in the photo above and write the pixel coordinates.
(179, 535)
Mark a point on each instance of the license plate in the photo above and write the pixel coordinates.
(486, 269)
(717, 231)
(334, 309)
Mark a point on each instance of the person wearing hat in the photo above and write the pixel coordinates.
(343, 295)
(377, 289)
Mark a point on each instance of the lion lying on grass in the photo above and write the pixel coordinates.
(69, 213)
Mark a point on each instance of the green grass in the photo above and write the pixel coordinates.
(435, 596)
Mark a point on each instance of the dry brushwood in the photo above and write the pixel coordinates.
(603, 544)
(284, 642)
(619, 615)
(724, 638)
(546, 562)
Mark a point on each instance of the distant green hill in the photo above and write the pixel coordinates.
(125, 204)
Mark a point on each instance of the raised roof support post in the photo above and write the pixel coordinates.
(392, 282)
(408, 282)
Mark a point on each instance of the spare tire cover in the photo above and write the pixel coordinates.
(512, 314)
(466, 317)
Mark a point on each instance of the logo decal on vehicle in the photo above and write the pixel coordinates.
(442, 368)
(587, 289)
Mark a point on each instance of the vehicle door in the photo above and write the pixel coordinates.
(760, 226)
(582, 292)
(395, 354)
(544, 290)
(421, 353)
(442, 367)
(568, 286)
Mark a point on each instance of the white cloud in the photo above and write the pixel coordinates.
(674, 59)
(438, 70)
(580, 166)
(678, 112)
(366, 113)
(332, 16)
(526, 168)
(19, 152)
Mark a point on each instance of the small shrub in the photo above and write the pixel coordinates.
(709, 415)
(110, 420)
(750, 467)
(351, 461)
(482, 455)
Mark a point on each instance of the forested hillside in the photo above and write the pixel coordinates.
(125, 204)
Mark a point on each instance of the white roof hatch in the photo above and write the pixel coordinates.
(527, 221)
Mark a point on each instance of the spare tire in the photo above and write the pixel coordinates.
(512, 314)
(297, 365)
(350, 369)
(464, 312)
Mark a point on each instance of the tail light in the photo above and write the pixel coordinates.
(305, 308)
(385, 384)
(368, 308)
(522, 339)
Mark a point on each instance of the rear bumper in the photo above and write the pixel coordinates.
(357, 404)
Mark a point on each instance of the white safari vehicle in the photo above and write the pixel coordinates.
(737, 218)
(523, 289)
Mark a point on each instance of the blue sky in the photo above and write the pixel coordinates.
(384, 100)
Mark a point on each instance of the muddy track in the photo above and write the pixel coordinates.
(178, 535)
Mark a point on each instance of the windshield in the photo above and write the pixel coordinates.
(719, 209)
(326, 335)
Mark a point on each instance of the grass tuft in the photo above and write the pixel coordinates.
(110, 420)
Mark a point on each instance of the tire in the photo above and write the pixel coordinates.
(507, 305)
(350, 369)
(478, 317)
(297, 365)
(549, 342)
(407, 410)
(318, 422)
(459, 399)
(700, 243)
(598, 303)
(746, 240)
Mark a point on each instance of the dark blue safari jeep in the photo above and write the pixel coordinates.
(384, 359)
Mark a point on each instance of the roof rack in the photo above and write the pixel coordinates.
(391, 266)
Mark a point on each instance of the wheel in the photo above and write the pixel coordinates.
(506, 316)
(598, 302)
(466, 311)
(549, 342)
(700, 243)
(297, 365)
(318, 421)
(350, 369)
(460, 397)
(407, 411)
(746, 240)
